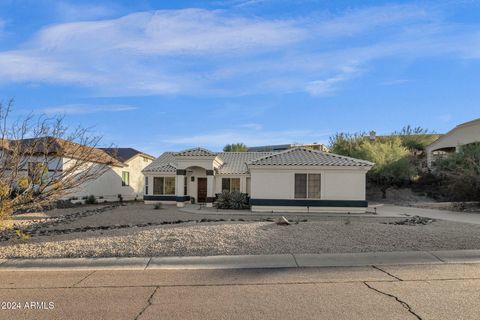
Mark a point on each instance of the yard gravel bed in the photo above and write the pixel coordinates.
(234, 238)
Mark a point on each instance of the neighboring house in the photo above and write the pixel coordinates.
(283, 147)
(465, 133)
(121, 167)
(127, 180)
(295, 180)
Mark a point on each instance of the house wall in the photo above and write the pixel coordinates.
(108, 186)
(137, 179)
(341, 190)
(464, 134)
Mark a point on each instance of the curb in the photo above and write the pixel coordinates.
(246, 261)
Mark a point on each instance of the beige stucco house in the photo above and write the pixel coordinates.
(295, 180)
(124, 179)
(465, 133)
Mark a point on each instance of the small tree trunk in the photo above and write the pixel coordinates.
(384, 192)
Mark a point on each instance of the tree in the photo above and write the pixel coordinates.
(460, 173)
(41, 160)
(235, 147)
(393, 163)
(416, 138)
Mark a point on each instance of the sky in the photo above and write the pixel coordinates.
(169, 75)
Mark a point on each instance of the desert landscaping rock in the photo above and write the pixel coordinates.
(237, 238)
(415, 220)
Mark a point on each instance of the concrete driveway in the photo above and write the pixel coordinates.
(447, 291)
(399, 211)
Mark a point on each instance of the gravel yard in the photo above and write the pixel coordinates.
(319, 235)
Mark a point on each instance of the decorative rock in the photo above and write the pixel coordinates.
(282, 221)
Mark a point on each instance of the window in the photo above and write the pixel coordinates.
(164, 185)
(300, 185)
(125, 178)
(146, 185)
(307, 186)
(169, 185)
(249, 185)
(230, 184)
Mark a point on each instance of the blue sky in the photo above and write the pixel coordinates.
(167, 75)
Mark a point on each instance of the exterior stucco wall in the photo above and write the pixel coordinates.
(108, 186)
(347, 184)
(461, 135)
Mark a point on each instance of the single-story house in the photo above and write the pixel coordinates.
(295, 180)
(121, 168)
(463, 134)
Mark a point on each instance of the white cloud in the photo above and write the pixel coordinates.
(74, 11)
(215, 52)
(77, 109)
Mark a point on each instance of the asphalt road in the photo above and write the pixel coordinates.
(447, 291)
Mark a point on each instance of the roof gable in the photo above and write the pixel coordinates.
(195, 152)
(125, 154)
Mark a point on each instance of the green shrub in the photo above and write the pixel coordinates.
(157, 206)
(91, 199)
(232, 200)
(460, 174)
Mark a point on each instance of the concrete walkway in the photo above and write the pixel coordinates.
(398, 211)
(248, 262)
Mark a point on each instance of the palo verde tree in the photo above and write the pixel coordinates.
(235, 147)
(393, 162)
(42, 160)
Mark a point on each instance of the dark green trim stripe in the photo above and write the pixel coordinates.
(209, 172)
(166, 198)
(309, 203)
(181, 172)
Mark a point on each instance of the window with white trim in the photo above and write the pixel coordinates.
(146, 185)
(307, 186)
(164, 185)
(230, 184)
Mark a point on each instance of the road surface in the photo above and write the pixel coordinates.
(444, 291)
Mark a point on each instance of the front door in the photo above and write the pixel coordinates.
(202, 190)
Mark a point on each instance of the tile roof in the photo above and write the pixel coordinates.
(61, 148)
(124, 154)
(165, 163)
(238, 162)
(235, 162)
(308, 157)
(195, 152)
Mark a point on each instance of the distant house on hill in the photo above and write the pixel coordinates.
(283, 147)
(463, 134)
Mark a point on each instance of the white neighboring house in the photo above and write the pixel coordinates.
(295, 180)
(465, 133)
(124, 179)
(121, 167)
